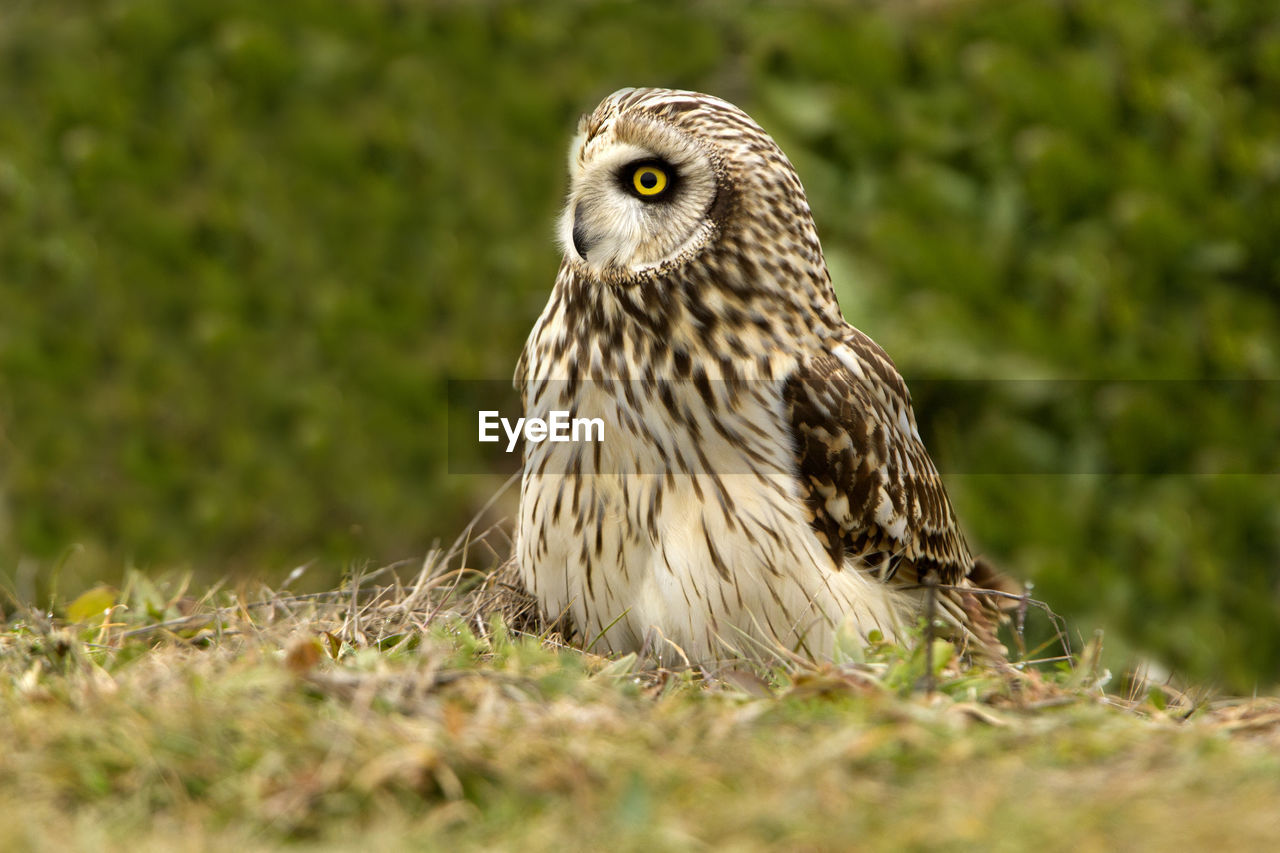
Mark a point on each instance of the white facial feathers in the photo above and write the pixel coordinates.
(606, 227)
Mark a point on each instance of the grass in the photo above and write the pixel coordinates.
(396, 714)
(245, 244)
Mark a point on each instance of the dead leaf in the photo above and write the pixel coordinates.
(302, 654)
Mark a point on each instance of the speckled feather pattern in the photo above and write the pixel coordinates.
(762, 480)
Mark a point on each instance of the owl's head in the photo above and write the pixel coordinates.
(659, 177)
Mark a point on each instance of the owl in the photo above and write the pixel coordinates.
(759, 487)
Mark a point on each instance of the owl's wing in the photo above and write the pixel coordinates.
(871, 489)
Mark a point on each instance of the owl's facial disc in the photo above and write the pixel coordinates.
(638, 198)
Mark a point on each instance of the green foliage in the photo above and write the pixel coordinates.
(243, 245)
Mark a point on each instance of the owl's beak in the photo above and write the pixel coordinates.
(580, 241)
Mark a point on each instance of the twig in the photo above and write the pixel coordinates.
(931, 604)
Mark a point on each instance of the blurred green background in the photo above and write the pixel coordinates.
(243, 245)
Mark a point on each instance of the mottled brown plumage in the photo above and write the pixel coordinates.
(762, 482)
(871, 486)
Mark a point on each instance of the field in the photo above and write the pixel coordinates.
(255, 257)
(406, 715)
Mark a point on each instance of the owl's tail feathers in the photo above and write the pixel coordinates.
(1009, 592)
(989, 597)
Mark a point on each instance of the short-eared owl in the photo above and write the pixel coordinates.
(761, 481)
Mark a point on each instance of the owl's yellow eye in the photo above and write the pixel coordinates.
(649, 180)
